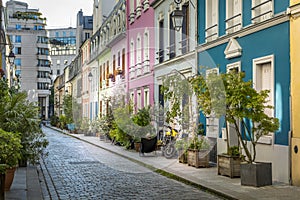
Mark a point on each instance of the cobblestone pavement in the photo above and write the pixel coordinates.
(77, 170)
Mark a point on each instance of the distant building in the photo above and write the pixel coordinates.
(63, 49)
(26, 29)
(84, 28)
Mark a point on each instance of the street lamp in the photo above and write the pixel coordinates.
(177, 16)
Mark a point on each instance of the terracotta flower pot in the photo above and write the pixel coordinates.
(9, 177)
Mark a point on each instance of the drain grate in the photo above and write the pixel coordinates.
(84, 162)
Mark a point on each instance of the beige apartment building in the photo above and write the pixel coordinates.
(26, 29)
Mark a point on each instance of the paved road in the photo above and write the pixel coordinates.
(77, 170)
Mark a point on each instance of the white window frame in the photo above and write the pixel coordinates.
(268, 139)
(210, 27)
(233, 19)
(146, 97)
(146, 45)
(139, 99)
(213, 130)
(233, 65)
(254, 10)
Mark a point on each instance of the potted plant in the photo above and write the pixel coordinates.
(181, 146)
(198, 152)
(244, 107)
(18, 115)
(229, 163)
(10, 153)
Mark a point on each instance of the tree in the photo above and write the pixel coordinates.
(236, 99)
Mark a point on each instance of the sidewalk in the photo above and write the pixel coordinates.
(205, 178)
(26, 185)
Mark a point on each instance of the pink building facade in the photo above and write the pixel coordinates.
(140, 53)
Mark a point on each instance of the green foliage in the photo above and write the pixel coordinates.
(199, 143)
(68, 108)
(18, 115)
(234, 151)
(174, 88)
(229, 95)
(63, 120)
(54, 120)
(182, 144)
(85, 124)
(10, 149)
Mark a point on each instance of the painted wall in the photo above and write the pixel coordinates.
(257, 45)
(295, 94)
(137, 28)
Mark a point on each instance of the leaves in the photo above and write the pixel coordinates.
(240, 101)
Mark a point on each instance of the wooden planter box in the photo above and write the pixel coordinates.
(256, 174)
(198, 158)
(182, 157)
(229, 165)
(137, 146)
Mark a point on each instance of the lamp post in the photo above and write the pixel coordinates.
(90, 77)
(177, 16)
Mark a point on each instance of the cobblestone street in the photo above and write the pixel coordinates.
(78, 170)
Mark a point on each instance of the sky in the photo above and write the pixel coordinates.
(60, 13)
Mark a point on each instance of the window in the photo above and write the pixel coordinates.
(161, 42)
(211, 31)
(87, 36)
(234, 67)
(261, 10)
(64, 34)
(212, 122)
(58, 62)
(263, 78)
(18, 61)
(18, 26)
(56, 34)
(131, 53)
(139, 50)
(233, 15)
(185, 29)
(146, 97)
(139, 100)
(58, 72)
(18, 39)
(119, 59)
(172, 47)
(146, 46)
(18, 50)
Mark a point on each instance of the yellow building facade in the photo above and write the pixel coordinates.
(295, 89)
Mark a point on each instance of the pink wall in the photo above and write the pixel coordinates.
(140, 24)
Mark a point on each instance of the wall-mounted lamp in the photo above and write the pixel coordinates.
(90, 76)
(177, 16)
(11, 57)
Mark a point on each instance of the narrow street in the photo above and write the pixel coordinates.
(78, 170)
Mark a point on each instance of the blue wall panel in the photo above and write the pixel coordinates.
(271, 41)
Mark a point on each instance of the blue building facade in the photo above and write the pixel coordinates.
(251, 36)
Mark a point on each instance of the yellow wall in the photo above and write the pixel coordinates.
(295, 90)
(295, 71)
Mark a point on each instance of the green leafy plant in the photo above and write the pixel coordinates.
(10, 150)
(236, 99)
(199, 143)
(18, 115)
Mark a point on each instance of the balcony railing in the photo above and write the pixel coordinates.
(211, 33)
(234, 23)
(262, 11)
